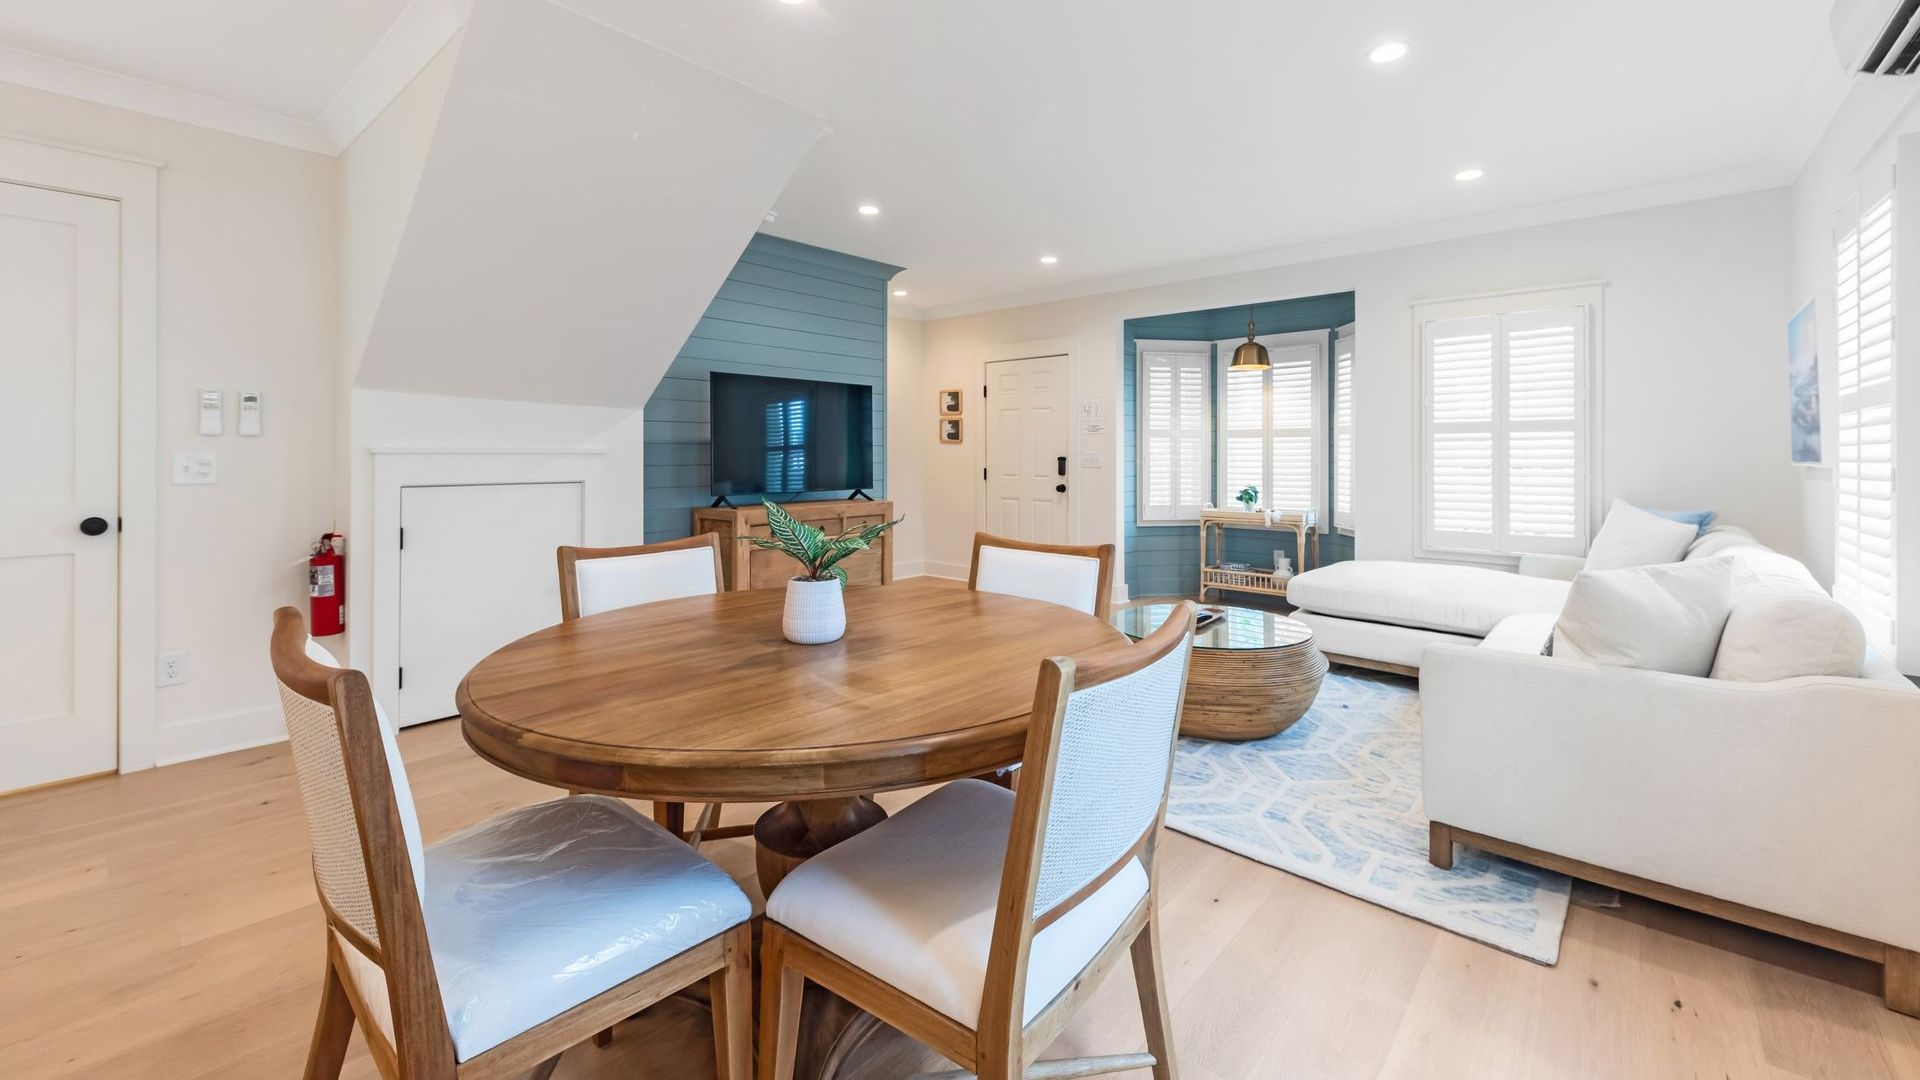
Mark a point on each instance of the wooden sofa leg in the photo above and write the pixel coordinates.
(1440, 845)
(1900, 981)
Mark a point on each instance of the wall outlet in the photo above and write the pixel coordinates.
(170, 669)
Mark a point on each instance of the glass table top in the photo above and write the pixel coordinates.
(1232, 628)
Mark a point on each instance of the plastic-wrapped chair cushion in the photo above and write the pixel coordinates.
(625, 580)
(534, 911)
(911, 901)
(1068, 580)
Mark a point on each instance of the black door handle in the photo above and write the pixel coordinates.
(94, 526)
(1059, 487)
(1063, 467)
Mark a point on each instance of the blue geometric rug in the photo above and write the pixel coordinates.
(1335, 799)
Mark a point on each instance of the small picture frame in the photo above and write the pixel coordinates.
(950, 430)
(950, 403)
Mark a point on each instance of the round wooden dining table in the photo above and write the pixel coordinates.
(701, 699)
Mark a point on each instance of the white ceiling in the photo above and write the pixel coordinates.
(1122, 135)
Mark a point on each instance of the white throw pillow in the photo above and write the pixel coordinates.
(1662, 618)
(1633, 537)
(1781, 634)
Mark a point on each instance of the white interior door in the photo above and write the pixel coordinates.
(477, 570)
(59, 417)
(1027, 436)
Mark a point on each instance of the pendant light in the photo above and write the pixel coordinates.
(1250, 356)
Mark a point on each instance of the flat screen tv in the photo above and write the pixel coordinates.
(788, 437)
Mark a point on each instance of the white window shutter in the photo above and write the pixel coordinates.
(1243, 435)
(1864, 547)
(1507, 433)
(1343, 354)
(1172, 404)
(1273, 424)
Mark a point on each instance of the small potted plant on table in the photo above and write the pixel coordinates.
(1247, 497)
(816, 610)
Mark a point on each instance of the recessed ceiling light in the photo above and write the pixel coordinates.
(869, 209)
(793, 1)
(899, 292)
(1387, 52)
(1468, 175)
(1049, 260)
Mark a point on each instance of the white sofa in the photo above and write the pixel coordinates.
(1791, 805)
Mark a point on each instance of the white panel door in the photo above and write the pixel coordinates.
(1027, 436)
(477, 570)
(59, 415)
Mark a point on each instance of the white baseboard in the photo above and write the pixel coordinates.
(955, 571)
(916, 568)
(212, 735)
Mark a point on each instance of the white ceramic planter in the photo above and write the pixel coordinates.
(816, 612)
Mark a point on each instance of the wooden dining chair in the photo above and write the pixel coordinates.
(593, 580)
(978, 920)
(1064, 574)
(490, 952)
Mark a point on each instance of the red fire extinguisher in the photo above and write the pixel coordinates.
(327, 587)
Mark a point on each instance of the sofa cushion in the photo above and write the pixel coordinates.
(1775, 633)
(1633, 537)
(1665, 617)
(1720, 539)
(1430, 596)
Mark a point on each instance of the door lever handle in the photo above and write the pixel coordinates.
(1062, 460)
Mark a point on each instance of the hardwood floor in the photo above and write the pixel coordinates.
(164, 925)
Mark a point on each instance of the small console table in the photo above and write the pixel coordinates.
(748, 567)
(1213, 549)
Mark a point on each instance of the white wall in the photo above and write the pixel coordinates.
(910, 432)
(247, 299)
(1875, 129)
(1694, 397)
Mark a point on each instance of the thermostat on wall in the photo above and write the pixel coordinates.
(210, 412)
(249, 412)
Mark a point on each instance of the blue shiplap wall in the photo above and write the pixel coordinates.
(787, 310)
(1164, 560)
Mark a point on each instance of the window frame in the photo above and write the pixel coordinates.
(1203, 352)
(1336, 521)
(1321, 420)
(1501, 550)
(1875, 185)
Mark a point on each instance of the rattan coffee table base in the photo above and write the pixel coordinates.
(1238, 694)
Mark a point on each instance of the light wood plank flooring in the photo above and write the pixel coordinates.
(164, 925)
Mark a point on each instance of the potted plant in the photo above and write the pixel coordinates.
(1247, 497)
(816, 610)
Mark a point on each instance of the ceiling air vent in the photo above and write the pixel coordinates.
(1877, 37)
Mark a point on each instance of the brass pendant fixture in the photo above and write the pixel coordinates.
(1251, 355)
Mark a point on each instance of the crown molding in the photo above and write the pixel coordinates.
(1716, 185)
(102, 87)
(417, 35)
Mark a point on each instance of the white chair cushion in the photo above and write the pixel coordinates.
(911, 902)
(1633, 537)
(1663, 618)
(626, 580)
(1452, 599)
(538, 909)
(1068, 580)
(397, 769)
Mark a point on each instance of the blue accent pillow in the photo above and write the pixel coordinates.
(1699, 519)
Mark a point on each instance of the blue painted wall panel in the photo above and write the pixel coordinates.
(787, 310)
(1164, 560)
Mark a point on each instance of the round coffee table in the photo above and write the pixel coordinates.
(1252, 675)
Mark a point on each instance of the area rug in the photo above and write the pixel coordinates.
(1335, 799)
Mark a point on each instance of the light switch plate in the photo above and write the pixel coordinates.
(249, 412)
(211, 412)
(195, 467)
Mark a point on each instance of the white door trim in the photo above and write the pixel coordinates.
(394, 469)
(1030, 350)
(136, 187)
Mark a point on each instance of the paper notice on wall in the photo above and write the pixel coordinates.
(1093, 417)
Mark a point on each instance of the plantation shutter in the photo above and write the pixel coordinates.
(1174, 433)
(1864, 525)
(1506, 431)
(1273, 426)
(1343, 428)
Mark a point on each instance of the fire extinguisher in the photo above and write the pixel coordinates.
(327, 587)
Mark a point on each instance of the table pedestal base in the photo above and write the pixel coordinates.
(793, 832)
